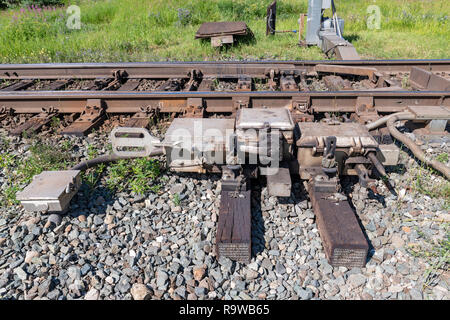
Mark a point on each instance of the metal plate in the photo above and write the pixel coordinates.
(345, 133)
(211, 29)
(48, 185)
(200, 131)
(256, 118)
(430, 112)
(233, 237)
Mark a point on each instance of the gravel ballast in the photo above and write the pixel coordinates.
(126, 246)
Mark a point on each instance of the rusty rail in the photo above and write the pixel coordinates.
(163, 70)
(132, 102)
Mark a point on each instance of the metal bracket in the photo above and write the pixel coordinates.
(271, 73)
(139, 139)
(35, 123)
(240, 103)
(5, 112)
(300, 110)
(194, 108)
(301, 104)
(329, 164)
(363, 175)
(194, 77)
(90, 118)
(244, 84)
(365, 110)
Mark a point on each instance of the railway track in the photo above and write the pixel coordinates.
(88, 92)
(333, 116)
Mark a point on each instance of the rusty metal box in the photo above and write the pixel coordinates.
(352, 139)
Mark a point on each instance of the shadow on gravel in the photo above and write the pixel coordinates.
(349, 183)
(258, 229)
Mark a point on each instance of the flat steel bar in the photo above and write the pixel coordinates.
(222, 69)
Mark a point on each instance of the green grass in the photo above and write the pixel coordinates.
(43, 156)
(422, 182)
(138, 175)
(443, 157)
(437, 254)
(142, 30)
(176, 199)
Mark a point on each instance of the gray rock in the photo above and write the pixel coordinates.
(97, 220)
(140, 291)
(304, 294)
(178, 188)
(74, 273)
(20, 273)
(274, 252)
(181, 291)
(175, 267)
(117, 205)
(356, 280)
(279, 267)
(161, 278)
(124, 284)
(92, 294)
(16, 263)
(53, 295)
(200, 291)
(226, 263)
(44, 287)
(85, 269)
(415, 294)
(371, 226)
(240, 285)
(267, 264)
(179, 281)
(73, 235)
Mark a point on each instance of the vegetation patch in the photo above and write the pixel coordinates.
(138, 176)
(144, 30)
(436, 254)
(19, 173)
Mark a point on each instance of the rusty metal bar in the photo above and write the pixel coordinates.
(132, 102)
(233, 69)
(342, 238)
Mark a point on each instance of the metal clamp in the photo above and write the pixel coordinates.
(139, 139)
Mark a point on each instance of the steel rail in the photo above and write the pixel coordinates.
(221, 69)
(131, 102)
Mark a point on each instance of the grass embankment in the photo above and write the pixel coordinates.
(144, 30)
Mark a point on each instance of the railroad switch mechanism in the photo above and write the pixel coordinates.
(50, 191)
(327, 33)
(325, 151)
(231, 147)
